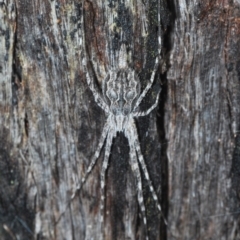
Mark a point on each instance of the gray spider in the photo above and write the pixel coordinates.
(120, 100)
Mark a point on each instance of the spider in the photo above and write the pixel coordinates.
(120, 99)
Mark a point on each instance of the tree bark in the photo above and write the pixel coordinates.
(202, 121)
(51, 125)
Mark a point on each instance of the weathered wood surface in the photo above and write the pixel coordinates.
(202, 121)
(50, 124)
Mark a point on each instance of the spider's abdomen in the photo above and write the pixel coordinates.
(122, 90)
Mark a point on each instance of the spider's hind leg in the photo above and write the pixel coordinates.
(137, 175)
(102, 181)
(95, 157)
(91, 165)
(145, 171)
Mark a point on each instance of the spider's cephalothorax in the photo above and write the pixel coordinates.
(120, 100)
(121, 89)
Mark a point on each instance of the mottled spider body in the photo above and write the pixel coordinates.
(120, 100)
(121, 88)
(121, 91)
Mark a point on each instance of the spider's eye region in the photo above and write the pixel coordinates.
(130, 95)
(112, 95)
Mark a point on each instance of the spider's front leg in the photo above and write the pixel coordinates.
(149, 85)
(144, 113)
(90, 76)
(96, 94)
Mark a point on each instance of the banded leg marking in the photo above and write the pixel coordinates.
(102, 178)
(137, 175)
(97, 97)
(95, 157)
(140, 114)
(143, 94)
(145, 171)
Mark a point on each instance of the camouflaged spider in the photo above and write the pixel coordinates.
(120, 100)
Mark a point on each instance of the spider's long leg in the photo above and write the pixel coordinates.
(97, 96)
(93, 161)
(90, 78)
(143, 94)
(140, 114)
(145, 171)
(103, 173)
(95, 157)
(137, 175)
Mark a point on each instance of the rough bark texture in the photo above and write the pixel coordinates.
(50, 124)
(202, 121)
